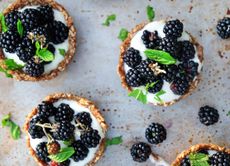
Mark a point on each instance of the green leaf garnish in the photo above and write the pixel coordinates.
(113, 141)
(150, 85)
(3, 22)
(198, 159)
(63, 155)
(6, 72)
(20, 28)
(43, 53)
(109, 18)
(10, 64)
(14, 129)
(62, 51)
(139, 95)
(228, 114)
(69, 142)
(158, 94)
(150, 13)
(160, 56)
(123, 34)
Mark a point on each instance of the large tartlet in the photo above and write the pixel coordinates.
(94, 111)
(122, 71)
(69, 53)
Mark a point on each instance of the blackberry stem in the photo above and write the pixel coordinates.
(44, 126)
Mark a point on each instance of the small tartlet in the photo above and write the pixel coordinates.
(83, 102)
(19, 74)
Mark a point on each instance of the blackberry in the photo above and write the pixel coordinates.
(30, 19)
(12, 19)
(173, 28)
(47, 14)
(157, 86)
(42, 32)
(169, 45)
(83, 118)
(220, 159)
(171, 73)
(34, 68)
(155, 133)
(145, 70)
(90, 138)
(151, 40)
(180, 85)
(133, 78)
(59, 32)
(185, 162)
(63, 131)
(189, 68)
(208, 115)
(81, 151)
(53, 147)
(34, 130)
(186, 51)
(42, 152)
(64, 163)
(64, 113)
(223, 28)
(132, 57)
(25, 50)
(140, 152)
(46, 109)
(9, 41)
(51, 48)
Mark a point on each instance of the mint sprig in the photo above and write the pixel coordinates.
(150, 85)
(150, 13)
(14, 128)
(198, 159)
(109, 18)
(123, 34)
(63, 155)
(10, 64)
(139, 95)
(113, 141)
(43, 53)
(161, 57)
(62, 51)
(3, 23)
(158, 94)
(20, 28)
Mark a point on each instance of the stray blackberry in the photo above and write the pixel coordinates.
(169, 45)
(12, 19)
(132, 57)
(64, 163)
(189, 68)
(186, 51)
(223, 28)
(42, 152)
(157, 86)
(30, 19)
(53, 147)
(64, 113)
(63, 131)
(150, 39)
(25, 50)
(180, 85)
(140, 152)
(9, 41)
(133, 78)
(34, 130)
(34, 68)
(145, 70)
(46, 109)
(208, 115)
(171, 73)
(90, 138)
(185, 162)
(47, 14)
(155, 133)
(81, 151)
(173, 28)
(220, 159)
(83, 119)
(59, 32)
(41, 32)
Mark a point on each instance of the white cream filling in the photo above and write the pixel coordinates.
(137, 44)
(95, 125)
(58, 57)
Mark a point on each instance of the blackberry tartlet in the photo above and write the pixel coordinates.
(160, 63)
(66, 123)
(203, 154)
(37, 41)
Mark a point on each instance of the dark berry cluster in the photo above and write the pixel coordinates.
(223, 28)
(39, 25)
(142, 71)
(208, 115)
(155, 133)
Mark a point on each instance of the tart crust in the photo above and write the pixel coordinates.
(196, 148)
(85, 103)
(121, 72)
(19, 74)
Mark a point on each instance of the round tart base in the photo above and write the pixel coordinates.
(196, 148)
(121, 72)
(19, 74)
(85, 103)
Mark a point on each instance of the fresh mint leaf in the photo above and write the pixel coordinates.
(45, 55)
(199, 159)
(150, 85)
(123, 34)
(161, 57)
(3, 22)
(68, 142)
(6, 72)
(62, 51)
(5, 120)
(12, 65)
(158, 94)
(139, 95)
(20, 28)
(113, 141)
(109, 18)
(63, 155)
(150, 13)
(228, 114)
